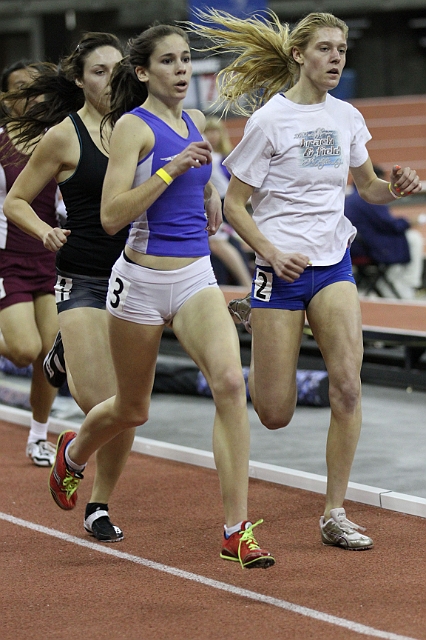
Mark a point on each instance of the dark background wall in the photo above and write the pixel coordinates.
(389, 57)
(386, 57)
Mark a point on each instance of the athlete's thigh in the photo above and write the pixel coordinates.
(207, 332)
(18, 326)
(134, 349)
(87, 353)
(334, 315)
(276, 338)
(46, 317)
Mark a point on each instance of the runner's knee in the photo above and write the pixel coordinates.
(276, 416)
(22, 355)
(231, 384)
(345, 395)
(131, 416)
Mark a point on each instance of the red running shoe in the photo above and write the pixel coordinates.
(63, 482)
(242, 547)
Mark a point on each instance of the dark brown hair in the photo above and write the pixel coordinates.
(127, 92)
(57, 85)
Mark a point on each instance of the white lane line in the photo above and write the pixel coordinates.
(214, 584)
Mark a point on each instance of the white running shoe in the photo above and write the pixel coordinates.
(42, 453)
(338, 531)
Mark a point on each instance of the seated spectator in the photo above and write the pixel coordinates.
(389, 240)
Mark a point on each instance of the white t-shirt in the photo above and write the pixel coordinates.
(297, 158)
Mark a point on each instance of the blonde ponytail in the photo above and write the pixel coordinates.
(263, 63)
(261, 66)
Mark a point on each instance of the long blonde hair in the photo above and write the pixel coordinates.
(224, 146)
(264, 63)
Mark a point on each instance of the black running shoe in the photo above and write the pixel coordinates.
(54, 364)
(98, 524)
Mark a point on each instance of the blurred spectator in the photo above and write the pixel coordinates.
(225, 245)
(389, 240)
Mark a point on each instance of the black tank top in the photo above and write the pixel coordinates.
(89, 250)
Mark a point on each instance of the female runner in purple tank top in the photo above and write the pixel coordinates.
(158, 179)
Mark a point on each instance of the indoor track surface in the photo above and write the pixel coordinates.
(165, 580)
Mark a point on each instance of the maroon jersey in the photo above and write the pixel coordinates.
(11, 237)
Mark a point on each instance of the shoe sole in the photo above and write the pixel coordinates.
(340, 546)
(236, 316)
(104, 540)
(49, 373)
(53, 380)
(52, 492)
(258, 563)
(40, 463)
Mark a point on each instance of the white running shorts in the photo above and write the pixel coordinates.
(149, 296)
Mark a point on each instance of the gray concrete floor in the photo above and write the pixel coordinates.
(391, 453)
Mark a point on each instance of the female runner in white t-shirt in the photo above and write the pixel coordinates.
(293, 162)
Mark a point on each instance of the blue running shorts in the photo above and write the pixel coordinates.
(271, 292)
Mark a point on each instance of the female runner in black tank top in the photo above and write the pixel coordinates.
(71, 151)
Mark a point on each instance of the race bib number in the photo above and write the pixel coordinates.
(63, 288)
(262, 285)
(117, 292)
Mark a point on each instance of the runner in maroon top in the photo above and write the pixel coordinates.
(28, 318)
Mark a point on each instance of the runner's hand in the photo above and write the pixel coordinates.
(55, 238)
(213, 206)
(289, 266)
(404, 181)
(193, 156)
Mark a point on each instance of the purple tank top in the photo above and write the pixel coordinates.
(175, 225)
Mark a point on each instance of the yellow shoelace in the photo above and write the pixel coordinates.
(249, 539)
(70, 484)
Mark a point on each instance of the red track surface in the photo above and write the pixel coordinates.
(401, 316)
(171, 515)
